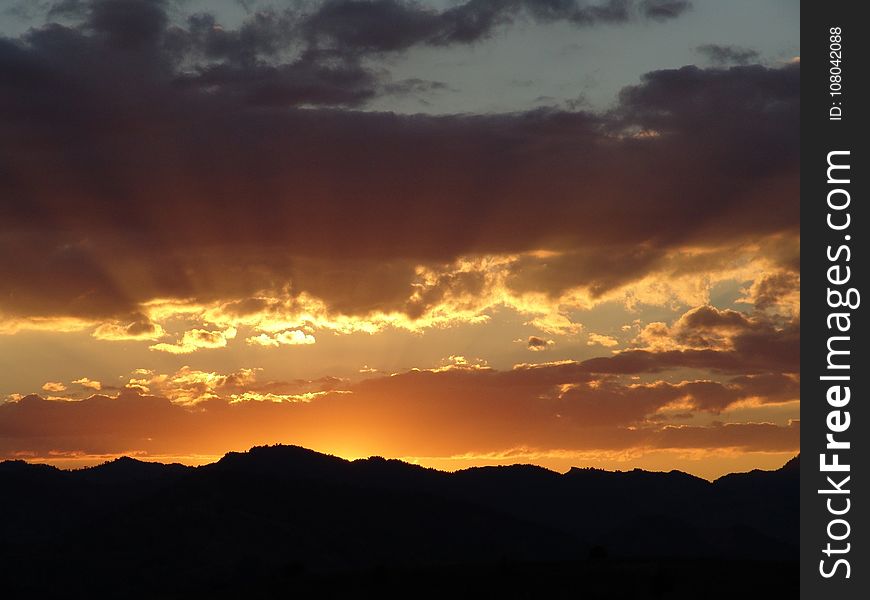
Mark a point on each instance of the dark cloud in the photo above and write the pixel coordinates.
(67, 9)
(130, 169)
(600, 269)
(127, 24)
(754, 351)
(772, 289)
(343, 27)
(728, 55)
(716, 339)
(537, 344)
(706, 101)
(415, 85)
(709, 317)
(375, 25)
(307, 81)
(391, 25)
(710, 327)
(664, 9)
(264, 35)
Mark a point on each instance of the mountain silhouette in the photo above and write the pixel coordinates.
(284, 521)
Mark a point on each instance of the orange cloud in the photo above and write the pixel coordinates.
(461, 408)
(197, 339)
(594, 339)
(89, 383)
(293, 337)
(137, 327)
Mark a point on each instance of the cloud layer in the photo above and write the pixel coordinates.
(444, 412)
(145, 159)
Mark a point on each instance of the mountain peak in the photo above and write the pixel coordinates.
(793, 464)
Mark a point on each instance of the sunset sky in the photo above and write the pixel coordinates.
(560, 232)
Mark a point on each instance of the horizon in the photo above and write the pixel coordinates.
(73, 465)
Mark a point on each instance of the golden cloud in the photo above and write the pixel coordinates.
(598, 339)
(89, 383)
(543, 286)
(197, 339)
(291, 337)
(138, 327)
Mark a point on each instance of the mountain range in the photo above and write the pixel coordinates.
(284, 521)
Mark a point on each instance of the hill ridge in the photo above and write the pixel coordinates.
(300, 451)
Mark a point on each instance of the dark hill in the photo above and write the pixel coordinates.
(281, 519)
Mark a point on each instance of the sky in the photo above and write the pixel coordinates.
(559, 232)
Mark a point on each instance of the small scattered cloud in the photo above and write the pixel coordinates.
(720, 55)
(597, 339)
(197, 339)
(89, 383)
(537, 344)
(295, 337)
(662, 10)
(137, 327)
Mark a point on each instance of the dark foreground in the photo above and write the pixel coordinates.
(611, 579)
(285, 522)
